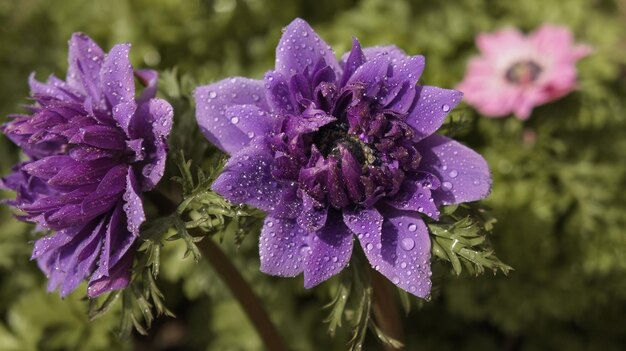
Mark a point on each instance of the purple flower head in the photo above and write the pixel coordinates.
(336, 149)
(92, 148)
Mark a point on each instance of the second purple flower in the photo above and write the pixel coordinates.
(92, 148)
(336, 149)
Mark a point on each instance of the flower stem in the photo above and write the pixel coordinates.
(385, 309)
(240, 289)
(229, 274)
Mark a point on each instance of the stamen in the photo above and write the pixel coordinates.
(523, 72)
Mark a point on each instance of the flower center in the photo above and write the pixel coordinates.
(523, 72)
(332, 137)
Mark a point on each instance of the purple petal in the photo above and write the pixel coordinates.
(68, 262)
(123, 114)
(415, 197)
(53, 242)
(247, 179)
(330, 251)
(117, 245)
(108, 192)
(281, 247)
(408, 69)
(394, 53)
(54, 88)
(464, 174)
(118, 278)
(49, 167)
(398, 246)
(431, 108)
(351, 171)
(300, 47)
(279, 96)
(372, 75)
(133, 206)
(355, 59)
(211, 104)
(85, 60)
(313, 215)
(251, 120)
(117, 76)
(100, 136)
(156, 119)
(406, 73)
(82, 173)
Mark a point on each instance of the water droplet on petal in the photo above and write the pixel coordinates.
(407, 244)
(445, 108)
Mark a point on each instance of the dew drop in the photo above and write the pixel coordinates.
(234, 120)
(407, 244)
(412, 227)
(446, 185)
(445, 108)
(212, 95)
(453, 173)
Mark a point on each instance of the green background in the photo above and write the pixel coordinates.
(558, 196)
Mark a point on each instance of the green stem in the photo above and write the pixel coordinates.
(229, 274)
(240, 289)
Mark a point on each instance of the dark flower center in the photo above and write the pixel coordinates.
(523, 72)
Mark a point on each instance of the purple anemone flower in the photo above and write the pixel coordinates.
(336, 149)
(92, 148)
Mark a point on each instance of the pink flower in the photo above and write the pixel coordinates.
(516, 73)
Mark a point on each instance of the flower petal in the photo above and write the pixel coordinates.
(118, 278)
(279, 95)
(134, 206)
(300, 47)
(281, 246)
(153, 122)
(397, 246)
(431, 108)
(330, 251)
(372, 75)
(247, 179)
(313, 216)
(118, 81)
(213, 100)
(114, 264)
(251, 119)
(123, 114)
(85, 60)
(464, 174)
(395, 53)
(107, 193)
(415, 197)
(354, 60)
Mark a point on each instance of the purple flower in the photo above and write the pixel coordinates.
(336, 149)
(92, 149)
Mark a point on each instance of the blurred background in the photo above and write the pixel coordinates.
(558, 195)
